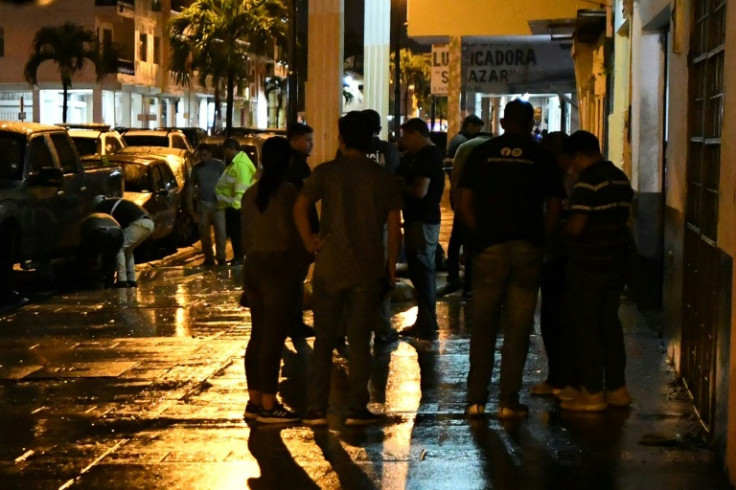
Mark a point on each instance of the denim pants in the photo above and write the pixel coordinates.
(133, 235)
(505, 284)
(420, 242)
(356, 308)
(594, 299)
(272, 281)
(210, 215)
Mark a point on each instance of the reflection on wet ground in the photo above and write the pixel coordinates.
(144, 388)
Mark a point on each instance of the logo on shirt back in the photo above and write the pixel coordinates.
(509, 152)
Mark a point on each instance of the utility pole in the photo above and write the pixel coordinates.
(291, 81)
(396, 23)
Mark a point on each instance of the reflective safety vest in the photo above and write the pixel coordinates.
(235, 180)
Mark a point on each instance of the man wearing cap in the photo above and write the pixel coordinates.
(137, 225)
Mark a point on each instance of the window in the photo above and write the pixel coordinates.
(143, 47)
(178, 142)
(11, 156)
(158, 180)
(39, 155)
(112, 145)
(169, 178)
(136, 177)
(64, 150)
(2, 41)
(157, 50)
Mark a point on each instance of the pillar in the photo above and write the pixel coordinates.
(454, 87)
(376, 59)
(324, 75)
(97, 104)
(36, 104)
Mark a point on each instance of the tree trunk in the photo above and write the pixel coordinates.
(230, 102)
(64, 103)
(217, 107)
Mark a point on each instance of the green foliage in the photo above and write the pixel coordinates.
(214, 38)
(416, 70)
(70, 47)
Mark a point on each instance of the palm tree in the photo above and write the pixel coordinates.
(415, 70)
(70, 46)
(215, 37)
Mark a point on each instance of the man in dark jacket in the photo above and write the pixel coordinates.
(137, 225)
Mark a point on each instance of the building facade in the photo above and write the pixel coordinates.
(141, 94)
(673, 106)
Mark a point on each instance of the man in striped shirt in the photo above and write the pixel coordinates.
(600, 242)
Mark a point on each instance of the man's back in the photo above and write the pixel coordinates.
(510, 177)
(205, 176)
(356, 196)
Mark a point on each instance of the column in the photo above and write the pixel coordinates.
(97, 103)
(376, 59)
(454, 87)
(324, 75)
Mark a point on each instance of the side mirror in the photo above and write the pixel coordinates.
(46, 177)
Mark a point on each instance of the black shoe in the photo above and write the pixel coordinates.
(132, 284)
(235, 262)
(277, 415)
(301, 331)
(315, 418)
(467, 295)
(120, 285)
(512, 410)
(362, 417)
(208, 263)
(386, 337)
(251, 410)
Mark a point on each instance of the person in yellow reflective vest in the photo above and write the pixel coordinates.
(235, 180)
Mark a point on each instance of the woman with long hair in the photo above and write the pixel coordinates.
(274, 269)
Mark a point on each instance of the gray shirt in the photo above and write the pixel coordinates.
(205, 176)
(357, 196)
(274, 229)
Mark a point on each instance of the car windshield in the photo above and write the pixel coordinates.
(11, 156)
(85, 146)
(146, 140)
(136, 177)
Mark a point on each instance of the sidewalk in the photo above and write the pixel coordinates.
(161, 409)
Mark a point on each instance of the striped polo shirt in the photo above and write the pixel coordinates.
(603, 193)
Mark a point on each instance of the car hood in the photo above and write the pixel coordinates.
(140, 198)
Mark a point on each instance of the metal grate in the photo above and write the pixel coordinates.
(701, 256)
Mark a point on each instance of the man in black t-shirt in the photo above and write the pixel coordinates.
(382, 152)
(503, 190)
(423, 184)
(600, 242)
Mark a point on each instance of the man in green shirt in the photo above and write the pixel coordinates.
(235, 180)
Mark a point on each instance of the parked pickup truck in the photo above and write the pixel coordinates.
(44, 193)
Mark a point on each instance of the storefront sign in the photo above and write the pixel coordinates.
(514, 68)
(440, 68)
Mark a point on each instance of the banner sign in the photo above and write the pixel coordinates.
(440, 68)
(516, 68)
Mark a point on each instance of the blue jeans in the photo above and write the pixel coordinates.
(420, 242)
(505, 283)
(210, 215)
(357, 309)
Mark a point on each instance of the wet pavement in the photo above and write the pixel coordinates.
(144, 388)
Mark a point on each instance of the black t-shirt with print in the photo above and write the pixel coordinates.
(511, 176)
(427, 162)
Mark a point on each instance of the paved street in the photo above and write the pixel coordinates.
(145, 389)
